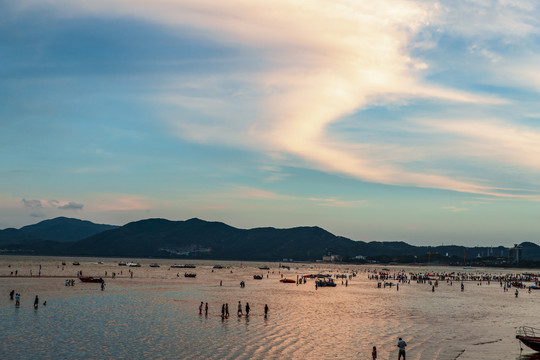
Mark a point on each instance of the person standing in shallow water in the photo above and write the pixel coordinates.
(401, 345)
(36, 302)
(200, 308)
(227, 310)
(239, 308)
(265, 310)
(206, 309)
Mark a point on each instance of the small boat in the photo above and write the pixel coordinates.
(154, 265)
(264, 268)
(182, 266)
(90, 279)
(218, 267)
(257, 277)
(190, 275)
(132, 264)
(288, 281)
(122, 263)
(63, 263)
(76, 263)
(534, 287)
(529, 336)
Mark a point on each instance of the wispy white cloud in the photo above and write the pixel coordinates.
(338, 203)
(454, 208)
(326, 60)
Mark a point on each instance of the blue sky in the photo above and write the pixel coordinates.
(394, 120)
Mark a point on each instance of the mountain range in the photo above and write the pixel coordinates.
(195, 238)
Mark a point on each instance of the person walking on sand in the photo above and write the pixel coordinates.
(227, 310)
(239, 308)
(401, 345)
(17, 299)
(222, 311)
(265, 310)
(11, 294)
(206, 309)
(247, 309)
(36, 302)
(374, 353)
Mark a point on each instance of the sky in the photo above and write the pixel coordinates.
(414, 121)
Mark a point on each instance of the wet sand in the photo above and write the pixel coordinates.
(155, 313)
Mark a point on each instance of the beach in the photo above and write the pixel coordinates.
(154, 314)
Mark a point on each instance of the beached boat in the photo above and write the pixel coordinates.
(218, 267)
(257, 277)
(264, 268)
(90, 279)
(182, 266)
(529, 336)
(154, 265)
(132, 264)
(76, 263)
(190, 275)
(122, 263)
(534, 287)
(288, 281)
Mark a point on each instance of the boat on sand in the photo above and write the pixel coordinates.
(288, 281)
(90, 279)
(529, 336)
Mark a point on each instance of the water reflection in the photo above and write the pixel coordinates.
(155, 315)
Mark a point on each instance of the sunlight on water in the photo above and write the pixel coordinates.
(155, 315)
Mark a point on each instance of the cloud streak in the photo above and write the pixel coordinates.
(325, 61)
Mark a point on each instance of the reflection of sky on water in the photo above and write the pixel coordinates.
(155, 315)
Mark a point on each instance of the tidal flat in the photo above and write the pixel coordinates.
(155, 313)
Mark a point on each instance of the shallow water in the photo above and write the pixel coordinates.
(155, 314)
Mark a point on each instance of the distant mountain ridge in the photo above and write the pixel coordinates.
(196, 238)
(60, 229)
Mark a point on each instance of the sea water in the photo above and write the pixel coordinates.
(154, 314)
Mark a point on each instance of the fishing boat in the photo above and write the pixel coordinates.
(288, 281)
(529, 336)
(257, 277)
(218, 267)
(132, 264)
(183, 266)
(264, 268)
(76, 263)
(154, 265)
(90, 279)
(190, 275)
(534, 287)
(122, 263)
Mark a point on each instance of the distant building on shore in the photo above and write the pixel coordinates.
(332, 258)
(514, 254)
